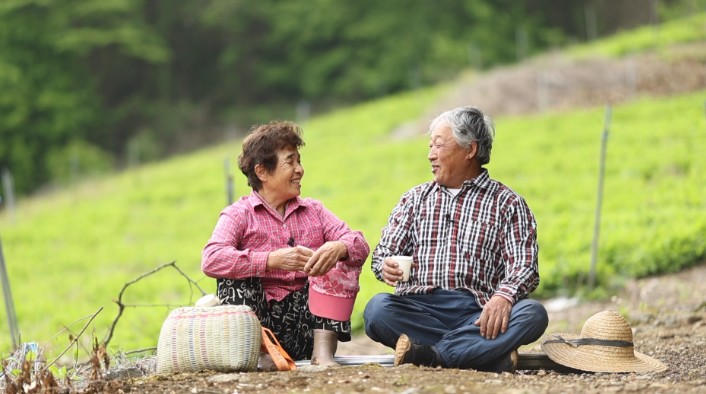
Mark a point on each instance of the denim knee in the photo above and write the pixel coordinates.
(535, 317)
(539, 314)
(375, 307)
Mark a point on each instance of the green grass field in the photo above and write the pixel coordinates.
(648, 38)
(71, 251)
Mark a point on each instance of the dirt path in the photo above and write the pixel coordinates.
(667, 313)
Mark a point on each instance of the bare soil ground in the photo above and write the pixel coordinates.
(667, 313)
(555, 83)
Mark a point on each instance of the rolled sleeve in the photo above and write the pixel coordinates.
(358, 249)
(221, 258)
(396, 235)
(520, 254)
(336, 229)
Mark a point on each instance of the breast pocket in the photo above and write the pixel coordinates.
(480, 247)
(311, 238)
(480, 241)
(256, 240)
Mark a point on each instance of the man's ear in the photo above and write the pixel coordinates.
(261, 172)
(472, 150)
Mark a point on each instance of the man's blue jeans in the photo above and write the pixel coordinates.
(444, 319)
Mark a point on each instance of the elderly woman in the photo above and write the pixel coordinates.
(290, 259)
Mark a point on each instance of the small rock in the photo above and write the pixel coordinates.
(312, 368)
(131, 372)
(634, 386)
(693, 319)
(224, 378)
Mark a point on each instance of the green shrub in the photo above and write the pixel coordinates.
(77, 159)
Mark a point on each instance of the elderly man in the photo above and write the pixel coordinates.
(474, 245)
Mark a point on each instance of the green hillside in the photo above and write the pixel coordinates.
(648, 38)
(71, 251)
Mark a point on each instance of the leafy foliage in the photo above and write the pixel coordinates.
(48, 92)
(76, 159)
(142, 79)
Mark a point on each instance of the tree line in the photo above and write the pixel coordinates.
(88, 86)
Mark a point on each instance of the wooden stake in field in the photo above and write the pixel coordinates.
(599, 199)
(9, 303)
(230, 189)
(8, 187)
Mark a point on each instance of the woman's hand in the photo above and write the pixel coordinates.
(289, 259)
(325, 258)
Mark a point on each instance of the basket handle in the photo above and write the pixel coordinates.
(280, 357)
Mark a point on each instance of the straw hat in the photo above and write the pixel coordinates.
(605, 345)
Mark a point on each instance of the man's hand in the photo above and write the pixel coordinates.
(391, 272)
(325, 258)
(495, 317)
(289, 259)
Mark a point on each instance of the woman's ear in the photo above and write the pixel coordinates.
(261, 172)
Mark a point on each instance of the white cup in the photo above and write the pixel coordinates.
(405, 264)
(208, 300)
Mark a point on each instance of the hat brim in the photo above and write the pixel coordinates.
(594, 358)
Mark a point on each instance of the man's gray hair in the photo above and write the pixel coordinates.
(469, 124)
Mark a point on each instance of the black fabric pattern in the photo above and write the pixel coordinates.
(289, 319)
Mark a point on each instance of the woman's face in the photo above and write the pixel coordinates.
(285, 181)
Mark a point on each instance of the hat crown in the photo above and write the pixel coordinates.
(605, 345)
(607, 325)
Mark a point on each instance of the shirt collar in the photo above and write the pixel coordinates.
(481, 181)
(256, 200)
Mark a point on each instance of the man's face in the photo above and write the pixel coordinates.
(450, 163)
(285, 180)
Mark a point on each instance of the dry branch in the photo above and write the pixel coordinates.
(122, 306)
(77, 337)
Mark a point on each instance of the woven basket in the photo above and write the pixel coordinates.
(220, 338)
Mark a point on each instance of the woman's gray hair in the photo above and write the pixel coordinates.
(469, 124)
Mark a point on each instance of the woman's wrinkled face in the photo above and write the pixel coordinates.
(449, 161)
(285, 180)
